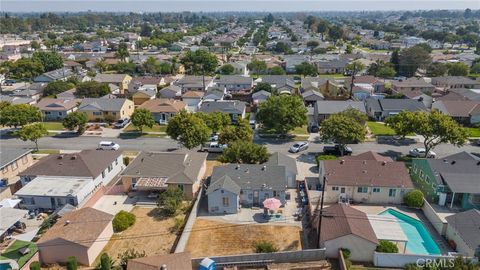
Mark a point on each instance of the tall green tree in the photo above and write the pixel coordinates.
(458, 69)
(122, 51)
(170, 200)
(257, 66)
(216, 121)
(75, 120)
(342, 129)
(199, 62)
(92, 89)
(282, 113)
(434, 127)
(395, 60)
(57, 87)
(106, 262)
(437, 69)
(245, 152)
(335, 33)
(306, 69)
(277, 71)
(263, 86)
(188, 129)
(412, 59)
(50, 60)
(19, 115)
(241, 131)
(23, 68)
(142, 118)
(226, 69)
(33, 132)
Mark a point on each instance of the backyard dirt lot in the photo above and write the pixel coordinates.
(150, 233)
(210, 238)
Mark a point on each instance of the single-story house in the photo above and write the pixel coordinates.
(156, 171)
(59, 179)
(54, 109)
(194, 83)
(239, 68)
(333, 66)
(461, 94)
(464, 230)
(283, 84)
(71, 237)
(137, 83)
(214, 94)
(61, 74)
(377, 83)
(193, 99)
(100, 109)
(233, 83)
(379, 109)
(12, 162)
(324, 108)
(235, 185)
(181, 260)
(454, 82)
(260, 96)
(143, 95)
(17, 100)
(120, 80)
(310, 97)
(346, 227)
(35, 94)
(171, 92)
(412, 84)
(452, 181)
(163, 109)
(290, 164)
(234, 108)
(365, 178)
(466, 112)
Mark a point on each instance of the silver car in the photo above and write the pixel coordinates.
(297, 147)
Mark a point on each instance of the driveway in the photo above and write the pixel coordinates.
(113, 204)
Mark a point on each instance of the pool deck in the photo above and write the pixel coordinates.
(414, 213)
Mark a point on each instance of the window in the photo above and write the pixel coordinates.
(97, 113)
(14, 165)
(24, 159)
(392, 192)
(362, 189)
(421, 175)
(114, 113)
(376, 190)
(110, 168)
(427, 179)
(225, 201)
(275, 193)
(103, 174)
(47, 113)
(116, 161)
(181, 187)
(334, 188)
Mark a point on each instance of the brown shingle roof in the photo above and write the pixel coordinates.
(110, 78)
(163, 105)
(193, 94)
(370, 155)
(82, 227)
(458, 108)
(341, 220)
(182, 260)
(367, 173)
(87, 163)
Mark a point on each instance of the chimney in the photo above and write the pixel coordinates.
(163, 267)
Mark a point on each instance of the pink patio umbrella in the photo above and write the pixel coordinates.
(272, 203)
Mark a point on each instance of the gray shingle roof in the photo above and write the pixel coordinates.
(230, 106)
(467, 225)
(226, 183)
(253, 176)
(388, 104)
(103, 104)
(234, 79)
(10, 154)
(280, 159)
(335, 106)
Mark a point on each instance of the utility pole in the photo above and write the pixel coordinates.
(319, 227)
(353, 78)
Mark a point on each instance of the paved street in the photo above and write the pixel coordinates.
(163, 144)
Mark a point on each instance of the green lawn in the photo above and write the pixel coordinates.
(13, 254)
(379, 129)
(473, 131)
(155, 128)
(54, 125)
(300, 130)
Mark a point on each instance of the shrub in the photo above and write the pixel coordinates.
(72, 263)
(324, 157)
(170, 201)
(265, 247)
(414, 198)
(178, 225)
(35, 265)
(123, 220)
(105, 262)
(387, 247)
(126, 161)
(346, 253)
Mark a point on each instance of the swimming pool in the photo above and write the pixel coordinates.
(419, 240)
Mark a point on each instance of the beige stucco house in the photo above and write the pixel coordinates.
(101, 109)
(12, 162)
(71, 237)
(120, 80)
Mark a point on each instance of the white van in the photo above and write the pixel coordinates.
(108, 145)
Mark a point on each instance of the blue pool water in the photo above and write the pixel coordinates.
(5, 266)
(419, 240)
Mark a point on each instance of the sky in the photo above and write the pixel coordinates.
(230, 5)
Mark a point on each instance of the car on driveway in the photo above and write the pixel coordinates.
(313, 127)
(297, 147)
(420, 152)
(108, 145)
(121, 123)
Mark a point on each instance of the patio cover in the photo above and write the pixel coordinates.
(9, 203)
(10, 216)
(462, 183)
(151, 183)
(387, 228)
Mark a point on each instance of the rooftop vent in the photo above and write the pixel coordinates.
(67, 222)
(478, 163)
(453, 162)
(73, 157)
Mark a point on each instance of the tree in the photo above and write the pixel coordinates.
(122, 221)
(75, 120)
(312, 44)
(241, 131)
(127, 255)
(19, 115)
(165, 68)
(263, 86)
(35, 265)
(386, 246)
(50, 60)
(434, 127)
(106, 262)
(199, 62)
(356, 115)
(381, 69)
(412, 59)
(306, 69)
(414, 198)
(335, 33)
(245, 152)
(101, 65)
(264, 246)
(277, 71)
(437, 69)
(122, 51)
(349, 49)
(215, 121)
(142, 118)
(92, 89)
(395, 60)
(281, 47)
(146, 30)
(343, 130)
(72, 263)
(188, 129)
(257, 66)
(32, 132)
(170, 200)
(35, 45)
(151, 65)
(475, 68)
(354, 68)
(23, 68)
(458, 69)
(282, 113)
(226, 69)
(57, 87)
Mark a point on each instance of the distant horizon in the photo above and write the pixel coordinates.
(151, 6)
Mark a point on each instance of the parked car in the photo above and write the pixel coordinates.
(313, 127)
(253, 123)
(297, 147)
(214, 137)
(214, 147)
(121, 123)
(108, 145)
(420, 152)
(336, 150)
(9, 82)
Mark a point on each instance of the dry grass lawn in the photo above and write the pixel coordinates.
(210, 165)
(209, 238)
(150, 233)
